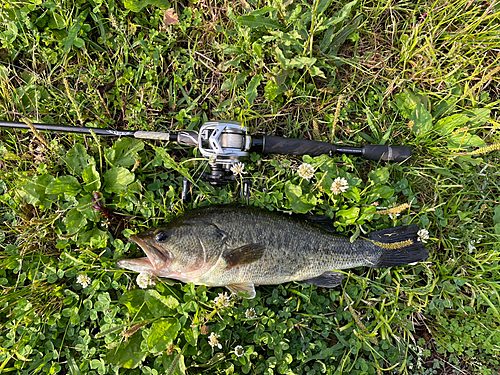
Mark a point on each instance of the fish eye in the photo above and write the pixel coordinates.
(161, 236)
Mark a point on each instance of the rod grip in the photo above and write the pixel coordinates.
(291, 146)
(386, 153)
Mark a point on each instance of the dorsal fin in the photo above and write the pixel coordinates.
(323, 222)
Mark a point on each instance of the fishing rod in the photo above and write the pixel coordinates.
(225, 143)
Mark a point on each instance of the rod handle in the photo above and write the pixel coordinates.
(291, 146)
(386, 153)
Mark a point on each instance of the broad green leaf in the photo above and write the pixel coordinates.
(341, 15)
(406, 103)
(478, 116)
(99, 365)
(91, 179)
(74, 30)
(257, 49)
(379, 176)
(322, 6)
(301, 62)
(50, 5)
(11, 32)
(227, 84)
(367, 212)
(258, 21)
(326, 164)
(78, 159)
(444, 106)
(169, 301)
(353, 194)
(348, 216)
(251, 92)
(317, 72)
(191, 334)
(124, 152)
(98, 18)
(464, 139)
(448, 124)
(34, 191)
(326, 182)
(170, 163)
(85, 207)
(74, 221)
(299, 202)
(162, 333)
(281, 57)
(128, 354)
(339, 39)
(231, 50)
(133, 300)
(159, 305)
(331, 26)
(295, 14)
(137, 5)
(380, 191)
(117, 179)
(64, 184)
(95, 238)
(78, 42)
(422, 120)
(262, 11)
(270, 90)
(72, 314)
(57, 22)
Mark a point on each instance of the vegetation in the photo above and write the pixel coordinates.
(423, 74)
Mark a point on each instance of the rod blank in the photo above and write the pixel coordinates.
(68, 129)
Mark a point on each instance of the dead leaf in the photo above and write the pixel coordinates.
(169, 17)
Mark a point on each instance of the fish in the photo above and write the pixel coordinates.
(241, 247)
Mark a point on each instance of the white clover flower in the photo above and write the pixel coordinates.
(222, 300)
(250, 313)
(83, 280)
(144, 279)
(306, 171)
(339, 185)
(239, 351)
(238, 169)
(423, 235)
(213, 340)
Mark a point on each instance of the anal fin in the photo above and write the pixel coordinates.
(329, 279)
(247, 289)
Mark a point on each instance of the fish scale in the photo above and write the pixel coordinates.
(294, 250)
(240, 246)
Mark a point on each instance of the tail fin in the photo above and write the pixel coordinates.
(400, 245)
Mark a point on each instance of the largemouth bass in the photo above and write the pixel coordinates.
(240, 247)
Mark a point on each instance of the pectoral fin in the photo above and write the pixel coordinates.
(329, 279)
(243, 255)
(247, 289)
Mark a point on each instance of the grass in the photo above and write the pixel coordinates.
(423, 74)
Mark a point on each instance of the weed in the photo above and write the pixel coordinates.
(423, 74)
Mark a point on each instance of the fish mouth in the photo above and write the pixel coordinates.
(154, 262)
